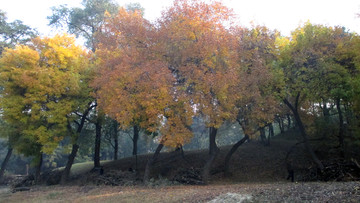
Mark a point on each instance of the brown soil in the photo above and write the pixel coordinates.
(257, 192)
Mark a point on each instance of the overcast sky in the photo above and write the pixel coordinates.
(283, 15)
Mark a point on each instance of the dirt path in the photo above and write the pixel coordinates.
(250, 192)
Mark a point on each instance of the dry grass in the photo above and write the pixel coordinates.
(260, 192)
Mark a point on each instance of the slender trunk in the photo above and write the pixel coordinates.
(271, 130)
(213, 151)
(262, 136)
(5, 162)
(97, 144)
(303, 132)
(326, 111)
(38, 169)
(135, 141)
(341, 129)
(271, 133)
(116, 147)
(281, 125)
(289, 121)
(66, 173)
(150, 163)
(116, 139)
(75, 147)
(231, 152)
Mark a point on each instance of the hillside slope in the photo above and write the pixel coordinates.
(252, 162)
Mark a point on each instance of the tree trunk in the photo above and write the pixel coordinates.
(66, 173)
(5, 162)
(116, 147)
(281, 124)
(341, 129)
(294, 109)
(289, 122)
(38, 169)
(135, 141)
(231, 152)
(271, 130)
(97, 144)
(75, 147)
(271, 134)
(213, 151)
(326, 111)
(262, 135)
(150, 163)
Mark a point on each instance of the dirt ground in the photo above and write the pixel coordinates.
(258, 175)
(246, 192)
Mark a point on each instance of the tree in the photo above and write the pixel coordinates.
(12, 33)
(258, 105)
(41, 85)
(9, 132)
(345, 88)
(197, 47)
(111, 129)
(314, 76)
(134, 86)
(85, 22)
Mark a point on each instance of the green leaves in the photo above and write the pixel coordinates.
(14, 33)
(84, 22)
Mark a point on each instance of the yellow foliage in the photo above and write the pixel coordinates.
(40, 83)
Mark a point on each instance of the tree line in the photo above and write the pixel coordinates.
(194, 62)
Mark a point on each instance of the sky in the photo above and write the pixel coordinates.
(283, 15)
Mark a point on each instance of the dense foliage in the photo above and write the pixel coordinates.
(192, 72)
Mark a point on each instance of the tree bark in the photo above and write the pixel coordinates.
(271, 130)
(66, 173)
(271, 134)
(341, 129)
(213, 151)
(38, 169)
(97, 143)
(231, 152)
(5, 162)
(289, 122)
(263, 136)
(75, 147)
(135, 141)
(150, 163)
(116, 147)
(300, 124)
(281, 124)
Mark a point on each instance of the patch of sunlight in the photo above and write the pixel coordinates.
(231, 198)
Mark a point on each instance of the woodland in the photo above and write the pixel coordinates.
(192, 80)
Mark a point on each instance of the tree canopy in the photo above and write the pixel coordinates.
(41, 84)
(194, 66)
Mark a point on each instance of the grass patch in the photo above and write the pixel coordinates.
(81, 168)
(53, 195)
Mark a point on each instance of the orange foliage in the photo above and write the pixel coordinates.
(197, 46)
(134, 84)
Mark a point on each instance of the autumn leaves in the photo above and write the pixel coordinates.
(193, 61)
(153, 75)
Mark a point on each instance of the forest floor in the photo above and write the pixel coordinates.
(258, 175)
(246, 192)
